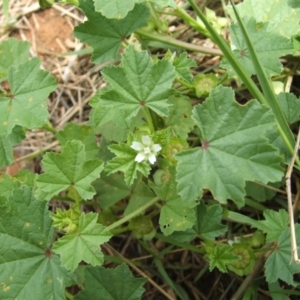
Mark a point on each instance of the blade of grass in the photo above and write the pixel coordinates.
(249, 83)
(267, 88)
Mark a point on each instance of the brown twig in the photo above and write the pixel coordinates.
(294, 247)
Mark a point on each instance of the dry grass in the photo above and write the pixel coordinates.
(49, 33)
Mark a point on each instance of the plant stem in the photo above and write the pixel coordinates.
(239, 218)
(133, 214)
(192, 22)
(176, 43)
(48, 126)
(184, 83)
(148, 118)
(156, 20)
(68, 295)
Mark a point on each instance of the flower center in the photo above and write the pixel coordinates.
(147, 150)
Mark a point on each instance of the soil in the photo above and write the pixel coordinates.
(50, 32)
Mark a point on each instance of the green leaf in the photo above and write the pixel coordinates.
(12, 53)
(28, 268)
(83, 133)
(140, 195)
(106, 35)
(208, 221)
(139, 83)
(279, 264)
(111, 189)
(83, 244)
(175, 214)
(7, 143)
(70, 168)
(27, 106)
(112, 123)
(111, 284)
(179, 119)
(277, 293)
(104, 154)
(269, 46)
(118, 9)
(220, 257)
(259, 192)
(125, 162)
(290, 106)
(234, 149)
(7, 186)
(275, 223)
(282, 16)
(182, 64)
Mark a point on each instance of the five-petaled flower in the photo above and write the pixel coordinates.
(147, 150)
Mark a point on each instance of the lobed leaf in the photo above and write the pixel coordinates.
(234, 149)
(111, 284)
(269, 46)
(282, 16)
(119, 9)
(279, 264)
(82, 133)
(12, 53)
(7, 143)
(69, 168)
(175, 214)
(139, 83)
(105, 35)
(125, 162)
(83, 244)
(27, 265)
(275, 223)
(27, 106)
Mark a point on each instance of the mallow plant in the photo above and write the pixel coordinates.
(180, 148)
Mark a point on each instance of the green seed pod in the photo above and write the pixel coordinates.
(246, 259)
(142, 227)
(204, 83)
(174, 146)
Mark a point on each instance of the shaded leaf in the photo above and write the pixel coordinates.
(180, 117)
(275, 223)
(111, 189)
(82, 133)
(270, 46)
(290, 106)
(175, 214)
(140, 195)
(279, 264)
(208, 221)
(111, 284)
(182, 64)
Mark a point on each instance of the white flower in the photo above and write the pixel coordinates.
(147, 150)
